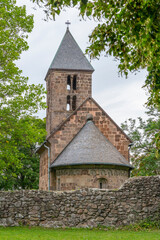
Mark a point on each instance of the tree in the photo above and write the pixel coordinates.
(26, 176)
(145, 155)
(127, 29)
(18, 100)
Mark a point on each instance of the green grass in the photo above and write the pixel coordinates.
(37, 233)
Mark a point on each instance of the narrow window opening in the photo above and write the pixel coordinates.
(68, 107)
(68, 82)
(59, 185)
(102, 183)
(74, 103)
(74, 82)
(68, 103)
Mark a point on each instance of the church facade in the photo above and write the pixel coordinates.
(84, 147)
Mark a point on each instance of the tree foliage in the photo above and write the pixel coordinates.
(18, 100)
(127, 29)
(145, 153)
(29, 134)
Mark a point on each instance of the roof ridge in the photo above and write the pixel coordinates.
(112, 120)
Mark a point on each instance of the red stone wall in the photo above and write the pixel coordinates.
(67, 132)
(64, 135)
(57, 95)
(73, 179)
(43, 171)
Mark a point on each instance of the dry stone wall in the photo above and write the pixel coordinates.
(138, 199)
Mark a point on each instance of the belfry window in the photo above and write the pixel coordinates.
(74, 103)
(68, 82)
(74, 82)
(68, 103)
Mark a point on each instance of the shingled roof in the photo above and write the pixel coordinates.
(90, 146)
(69, 56)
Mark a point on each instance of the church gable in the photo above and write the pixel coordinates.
(67, 130)
(90, 147)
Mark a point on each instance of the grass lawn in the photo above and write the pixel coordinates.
(37, 233)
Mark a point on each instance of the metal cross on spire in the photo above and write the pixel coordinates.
(67, 23)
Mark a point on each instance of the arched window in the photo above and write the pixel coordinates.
(74, 103)
(102, 183)
(68, 82)
(74, 82)
(68, 103)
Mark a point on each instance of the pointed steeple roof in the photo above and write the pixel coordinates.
(90, 146)
(69, 56)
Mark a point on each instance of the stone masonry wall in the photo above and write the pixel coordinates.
(57, 93)
(43, 170)
(138, 199)
(66, 133)
(71, 179)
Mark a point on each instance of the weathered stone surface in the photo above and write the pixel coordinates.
(57, 93)
(69, 101)
(61, 138)
(137, 199)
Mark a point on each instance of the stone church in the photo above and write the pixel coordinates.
(84, 147)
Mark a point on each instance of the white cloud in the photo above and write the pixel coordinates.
(123, 101)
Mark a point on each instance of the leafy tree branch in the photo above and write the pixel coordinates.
(127, 30)
(18, 100)
(145, 153)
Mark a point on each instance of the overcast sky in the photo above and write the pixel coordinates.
(121, 98)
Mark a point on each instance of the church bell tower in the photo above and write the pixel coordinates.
(69, 82)
(73, 147)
